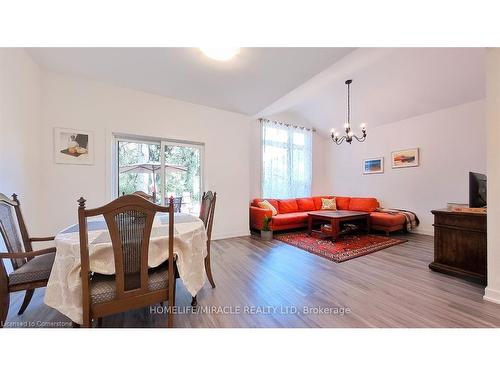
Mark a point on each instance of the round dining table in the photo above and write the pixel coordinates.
(64, 288)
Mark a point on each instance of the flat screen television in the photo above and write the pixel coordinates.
(477, 189)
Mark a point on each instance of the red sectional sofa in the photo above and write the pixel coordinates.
(292, 213)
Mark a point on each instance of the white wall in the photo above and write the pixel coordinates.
(71, 102)
(320, 184)
(33, 102)
(492, 292)
(20, 132)
(452, 142)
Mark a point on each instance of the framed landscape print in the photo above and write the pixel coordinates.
(405, 158)
(372, 166)
(73, 146)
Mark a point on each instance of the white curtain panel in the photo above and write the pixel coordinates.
(286, 161)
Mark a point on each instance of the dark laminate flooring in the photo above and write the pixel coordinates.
(271, 284)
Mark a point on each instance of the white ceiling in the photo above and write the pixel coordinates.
(389, 85)
(247, 84)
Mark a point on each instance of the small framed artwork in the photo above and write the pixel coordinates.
(372, 166)
(73, 146)
(405, 158)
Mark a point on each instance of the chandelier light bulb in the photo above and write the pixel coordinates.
(363, 126)
(337, 135)
(332, 131)
(346, 125)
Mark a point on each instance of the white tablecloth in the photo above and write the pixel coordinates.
(64, 289)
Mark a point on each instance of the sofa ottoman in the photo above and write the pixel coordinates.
(387, 222)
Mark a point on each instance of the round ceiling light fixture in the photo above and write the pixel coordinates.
(220, 53)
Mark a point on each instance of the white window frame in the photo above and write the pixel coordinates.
(162, 142)
(289, 147)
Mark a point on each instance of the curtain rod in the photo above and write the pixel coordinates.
(287, 124)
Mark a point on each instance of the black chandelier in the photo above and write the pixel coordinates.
(349, 135)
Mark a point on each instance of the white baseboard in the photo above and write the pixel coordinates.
(223, 236)
(491, 295)
(423, 231)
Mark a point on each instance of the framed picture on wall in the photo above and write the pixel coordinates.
(72, 146)
(405, 158)
(372, 166)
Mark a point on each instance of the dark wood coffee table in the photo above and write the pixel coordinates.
(334, 218)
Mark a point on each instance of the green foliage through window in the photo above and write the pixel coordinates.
(179, 183)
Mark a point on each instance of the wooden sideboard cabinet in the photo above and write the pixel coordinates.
(460, 244)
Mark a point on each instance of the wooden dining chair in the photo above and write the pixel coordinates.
(31, 268)
(152, 198)
(177, 204)
(130, 220)
(207, 211)
(144, 195)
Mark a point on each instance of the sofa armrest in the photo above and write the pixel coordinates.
(257, 216)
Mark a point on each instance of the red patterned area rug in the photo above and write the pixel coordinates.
(344, 248)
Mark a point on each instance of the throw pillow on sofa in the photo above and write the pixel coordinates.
(268, 206)
(328, 204)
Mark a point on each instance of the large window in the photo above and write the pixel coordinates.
(286, 161)
(161, 169)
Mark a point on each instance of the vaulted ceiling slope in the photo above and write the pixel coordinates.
(251, 81)
(389, 85)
